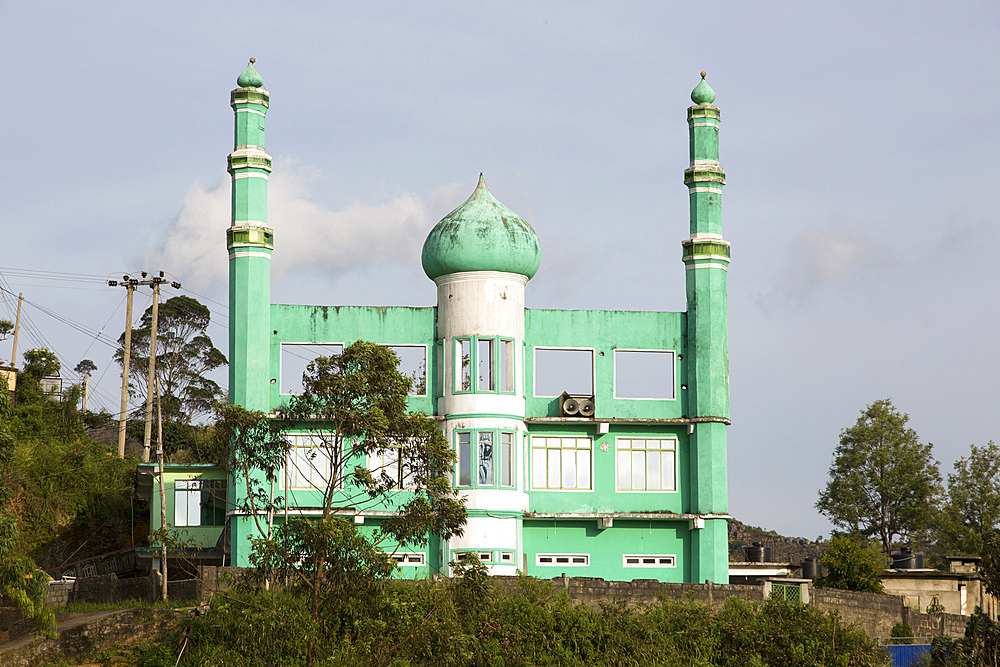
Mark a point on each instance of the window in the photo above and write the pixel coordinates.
(507, 372)
(413, 364)
(646, 560)
(560, 463)
(439, 380)
(489, 462)
(296, 356)
(493, 359)
(463, 351)
(199, 502)
(644, 374)
(559, 370)
(565, 560)
(647, 464)
(309, 463)
(408, 559)
(388, 463)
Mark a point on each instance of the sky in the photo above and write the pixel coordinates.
(859, 141)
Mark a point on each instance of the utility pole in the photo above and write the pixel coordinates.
(17, 328)
(86, 388)
(163, 497)
(130, 284)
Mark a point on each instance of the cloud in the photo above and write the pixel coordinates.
(819, 258)
(308, 234)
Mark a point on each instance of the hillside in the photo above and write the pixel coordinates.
(783, 549)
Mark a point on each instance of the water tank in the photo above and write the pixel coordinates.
(758, 552)
(904, 559)
(919, 558)
(810, 568)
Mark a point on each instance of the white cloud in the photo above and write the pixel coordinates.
(308, 234)
(818, 258)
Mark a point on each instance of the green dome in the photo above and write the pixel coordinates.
(481, 235)
(250, 78)
(703, 93)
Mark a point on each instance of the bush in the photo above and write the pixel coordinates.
(852, 566)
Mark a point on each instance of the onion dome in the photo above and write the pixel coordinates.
(481, 235)
(250, 78)
(703, 93)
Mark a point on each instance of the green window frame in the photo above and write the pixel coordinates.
(494, 361)
(485, 458)
(199, 502)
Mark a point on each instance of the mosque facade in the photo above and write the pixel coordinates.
(588, 442)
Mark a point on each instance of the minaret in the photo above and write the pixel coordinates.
(706, 260)
(481, 256)
(250, 242)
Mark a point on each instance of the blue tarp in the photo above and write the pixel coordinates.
(907, 655)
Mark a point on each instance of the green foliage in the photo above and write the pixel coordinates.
(40, 362)
(473, 621)
(989, 565)
(185, 355)
(979, 647)
(85, 367)
(884, 483)
(20, 580)
(972, 506)
(902, 633)
(852, 566)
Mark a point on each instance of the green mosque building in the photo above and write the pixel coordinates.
(588, 442)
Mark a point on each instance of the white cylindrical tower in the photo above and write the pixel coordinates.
(481, 256)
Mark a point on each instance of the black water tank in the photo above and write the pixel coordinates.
(810, 568)
(758, 552)
(904, 559)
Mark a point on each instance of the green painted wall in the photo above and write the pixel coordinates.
(606, 546)
(198, 536)
(606, 331)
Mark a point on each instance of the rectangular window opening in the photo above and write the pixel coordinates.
(486, 463)
(413, 364)
(645, 374)
(564, 560)
(646, 464)
(463, 349)
(507, 373)
(649, 560)
(486, 364)
(561, 463)
(309, 463)
(563, 370)
(464, 458)
(506, 458)
(296, 356)
(439, 381)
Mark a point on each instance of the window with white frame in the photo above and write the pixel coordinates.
(563, 369)
(294, 359)
(199, 502)
(644, 374)
(482, 461)
(649, 560)
(561, 463)
(408, 559)
(564, 560)
(393, 463)
(647, 464)
(309, 463)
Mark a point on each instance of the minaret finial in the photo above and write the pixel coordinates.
(703, 93)
(250, 78)
(703, 74)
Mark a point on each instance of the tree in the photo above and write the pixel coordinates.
(40, 362)
(20, 579)
(884, 483)
(354, 408)
(185, 355)
(852, 566)
(972, 505)
(85, 367)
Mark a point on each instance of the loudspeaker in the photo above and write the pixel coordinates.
(578, 405)
(586, 407)
(570, 407)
